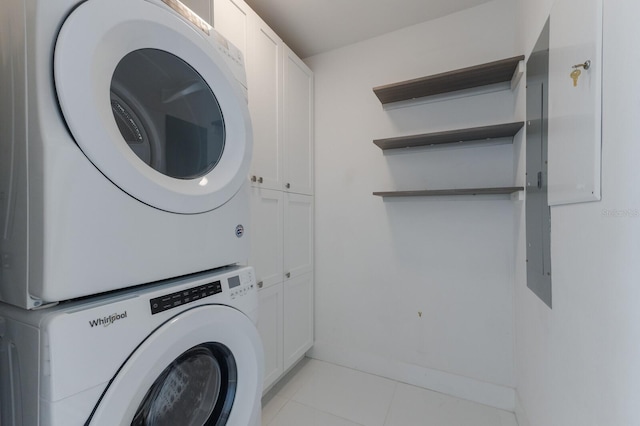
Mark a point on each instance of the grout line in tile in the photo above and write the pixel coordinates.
(275, 416)
(327, 412)
(277, 387)
(393, 396)
(356, 370)
(278, 410)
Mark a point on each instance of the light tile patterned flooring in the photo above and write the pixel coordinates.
(318, 393)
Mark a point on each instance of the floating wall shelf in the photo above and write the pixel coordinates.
(505, 70)
(447, 192)
(476, 134)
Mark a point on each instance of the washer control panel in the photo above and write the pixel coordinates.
(233, 285)
(179, 298)
(239, 285)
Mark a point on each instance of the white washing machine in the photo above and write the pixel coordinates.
(125, 143)
(182, 352)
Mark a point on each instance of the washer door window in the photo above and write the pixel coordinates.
(197, 389)
(153, 105)
(202, 367)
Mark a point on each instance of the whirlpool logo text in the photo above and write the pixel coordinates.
(108, 320)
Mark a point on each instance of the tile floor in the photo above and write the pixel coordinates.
(317, 393)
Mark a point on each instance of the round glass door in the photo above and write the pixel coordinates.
(202, 367)
(167, 114)
(197, 389)
(153, 104)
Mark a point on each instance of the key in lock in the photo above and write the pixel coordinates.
(575, 74)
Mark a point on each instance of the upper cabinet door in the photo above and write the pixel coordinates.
(575, 104)
(231, 19)
(264, 74)
(298, 125)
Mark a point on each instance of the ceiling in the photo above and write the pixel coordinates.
(310, 27)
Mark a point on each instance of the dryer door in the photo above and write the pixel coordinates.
(151, 102)
(203, 367)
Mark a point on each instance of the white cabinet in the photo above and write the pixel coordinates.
(264, 56)
(271, 328)
(575, 110)
(285, 324)
(267, 235)
(298, 234)
(264, 74)
(298, 125)
(282, 255)
(281, 106)
(281, 235)
(298, 318)
(280, 100)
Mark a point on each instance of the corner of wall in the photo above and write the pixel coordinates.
(497, 396)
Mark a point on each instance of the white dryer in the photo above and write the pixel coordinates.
(182, 352)
(125, 143)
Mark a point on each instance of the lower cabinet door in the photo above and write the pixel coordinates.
(298, 234)
(270, 327)
(298, 318)
(266, 235)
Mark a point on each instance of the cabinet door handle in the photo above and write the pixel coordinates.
(260, 179)
(260, 284)
(288, 185)
(288, 275)
(253, 178)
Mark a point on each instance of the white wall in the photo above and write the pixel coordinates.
(579, 364)
(379, 263)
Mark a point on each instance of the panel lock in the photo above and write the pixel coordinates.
(539, 180)
(585, 65)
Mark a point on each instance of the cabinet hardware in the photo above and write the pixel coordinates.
(539, 180)
(586, 65)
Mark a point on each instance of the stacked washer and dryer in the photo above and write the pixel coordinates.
(125, 142)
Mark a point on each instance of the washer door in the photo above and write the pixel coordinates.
(203, 367)
(152, 104)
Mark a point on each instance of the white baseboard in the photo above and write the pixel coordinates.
(521, 416)
(497, 396)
